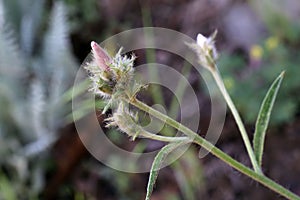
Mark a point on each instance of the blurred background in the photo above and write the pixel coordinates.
(43, 43)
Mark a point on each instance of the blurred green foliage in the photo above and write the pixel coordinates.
(36, 68)
(281, 18)
(247, 79)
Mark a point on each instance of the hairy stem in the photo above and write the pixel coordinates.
(162, 138)
(259, 177)
(237, 118)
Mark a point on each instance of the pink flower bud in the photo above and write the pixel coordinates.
(101, 57)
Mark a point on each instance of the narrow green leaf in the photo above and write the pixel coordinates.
(264, 117)
(158, 160)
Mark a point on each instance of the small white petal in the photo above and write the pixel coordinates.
(201, 40)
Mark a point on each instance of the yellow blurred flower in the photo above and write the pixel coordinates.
(272, 42)
(256, 52)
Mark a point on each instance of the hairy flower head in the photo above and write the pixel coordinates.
(125, 120)
(206, 50)
(111, 76)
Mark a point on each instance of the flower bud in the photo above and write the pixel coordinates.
(101, 58)
(208, 44)
(206, 50)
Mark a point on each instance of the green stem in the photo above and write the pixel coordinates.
(152, 136)
(237, 118)
(216, 151)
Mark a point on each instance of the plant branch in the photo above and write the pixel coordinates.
(216, 151)
(152, 136)
(237, 118)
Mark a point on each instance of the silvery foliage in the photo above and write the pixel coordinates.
(36, 68)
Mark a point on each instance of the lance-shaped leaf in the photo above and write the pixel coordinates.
(158, 161)
(264, 118)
